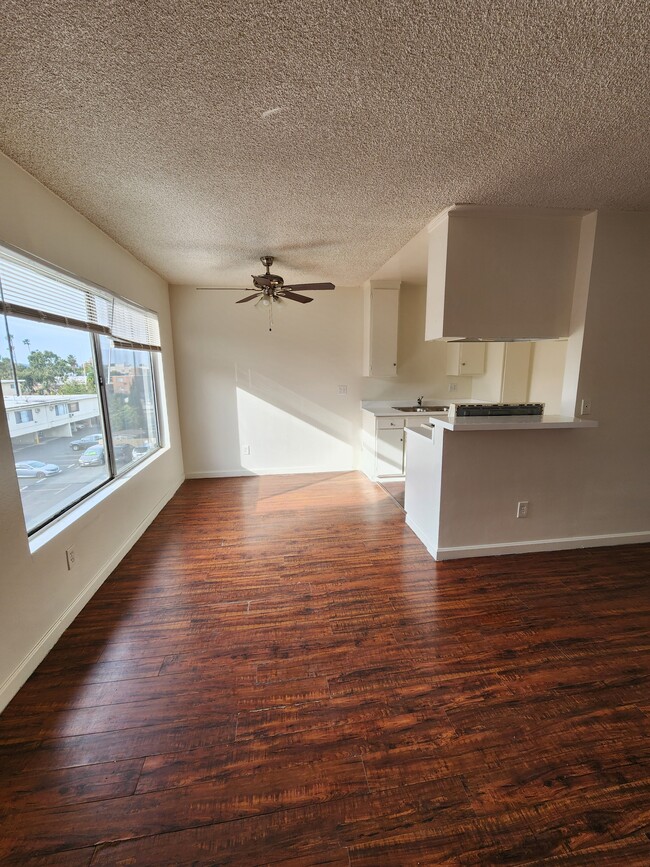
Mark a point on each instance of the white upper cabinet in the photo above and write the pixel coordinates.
(501, 274)
(465, 359)
(380, 328)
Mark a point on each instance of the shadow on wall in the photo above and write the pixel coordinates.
(281, 430)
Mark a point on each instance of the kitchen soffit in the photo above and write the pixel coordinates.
(200, 135)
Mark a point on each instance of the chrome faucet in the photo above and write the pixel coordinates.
(420, 399)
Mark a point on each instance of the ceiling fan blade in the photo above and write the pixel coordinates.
(249, 297)
(220, 288)
(293, 297)
(309, 287)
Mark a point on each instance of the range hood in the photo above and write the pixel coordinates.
(501, 274)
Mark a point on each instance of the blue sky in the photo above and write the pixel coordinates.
(63, 341)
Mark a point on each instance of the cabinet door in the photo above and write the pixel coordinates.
(465, 359)
(382, 348)
(390, 452)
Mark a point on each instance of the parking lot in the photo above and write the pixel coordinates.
(44, 497)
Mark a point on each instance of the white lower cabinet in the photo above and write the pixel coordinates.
(390, 452)
(383, 455)
(389, 446)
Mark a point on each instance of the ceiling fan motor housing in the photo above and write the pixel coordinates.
(268, 283)
(272, 282)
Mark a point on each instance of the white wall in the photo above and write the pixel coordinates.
(488, 386)
(38, 596)
(547, 374)
(421, 364)
(276, 392)
(518, 372)
(585, 487)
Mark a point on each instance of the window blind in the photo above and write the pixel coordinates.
(134, 327)
(33, 289)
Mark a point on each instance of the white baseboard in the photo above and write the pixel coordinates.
(430, 544)
(272, 471)
(533, 545)
(37, 654)
(220, 474)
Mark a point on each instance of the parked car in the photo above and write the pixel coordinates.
(96, 456)
(36, 470)
(142, 450)
(85, 442)
(93, 457)
(122, 453)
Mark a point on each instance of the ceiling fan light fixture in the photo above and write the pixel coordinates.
(271, 291)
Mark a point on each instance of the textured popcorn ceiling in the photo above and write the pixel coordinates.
(201, 135)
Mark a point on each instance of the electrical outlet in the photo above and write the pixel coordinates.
(452, 386)
(246, 450)
(585, 407)
(343, 389)
(71, 558)
(522, 509)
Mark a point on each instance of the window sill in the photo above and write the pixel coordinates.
(75, 513)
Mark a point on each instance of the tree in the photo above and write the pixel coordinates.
(76, 388)
(6, 368)
(47, 371)
(123, 416)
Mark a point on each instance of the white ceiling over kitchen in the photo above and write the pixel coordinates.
(201, 135)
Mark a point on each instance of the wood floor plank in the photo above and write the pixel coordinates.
(278, 673)
(310, 832)
(32, 789)
(633, 852)
(506, 839)
(227, 797)
(64, 858)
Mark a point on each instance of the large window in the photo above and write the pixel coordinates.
(78, 382)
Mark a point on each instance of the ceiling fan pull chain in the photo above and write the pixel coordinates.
(271, 316)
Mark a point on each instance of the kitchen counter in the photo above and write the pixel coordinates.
(462, 494)
(384, 408)
(510, 422)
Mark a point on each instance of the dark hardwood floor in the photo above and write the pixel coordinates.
(396, 490)
(278, 673)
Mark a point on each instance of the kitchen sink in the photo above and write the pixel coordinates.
(421, 408)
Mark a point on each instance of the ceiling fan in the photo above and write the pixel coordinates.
(270, 289)
(271, 286)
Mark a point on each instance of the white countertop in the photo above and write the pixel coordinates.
(510, 422)
(383, 408)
